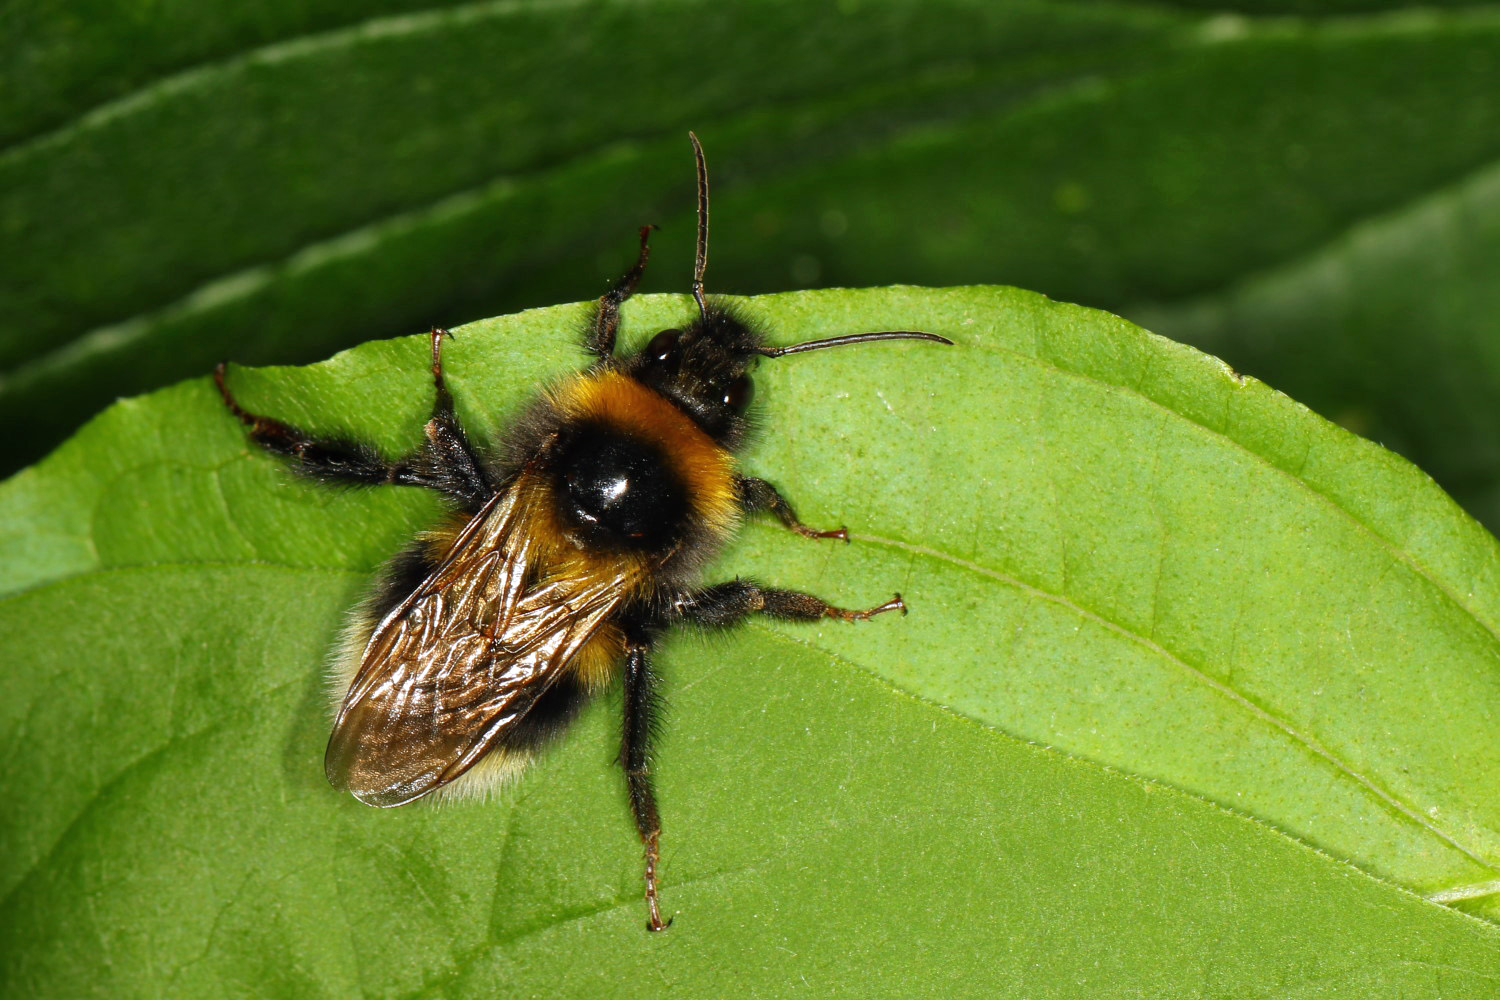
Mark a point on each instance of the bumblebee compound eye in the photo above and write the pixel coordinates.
(739, 394)
(663, 348)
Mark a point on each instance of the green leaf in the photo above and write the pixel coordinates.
(273, 181)
(1143, 589)
(1393, 328)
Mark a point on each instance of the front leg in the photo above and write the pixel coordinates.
(445, 462)
(730, 603)
(757, 495)
(604, 321)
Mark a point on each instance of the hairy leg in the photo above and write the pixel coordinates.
(605, 320)
(635, 756)
(445, 462)
(757, 495)
(729, 603)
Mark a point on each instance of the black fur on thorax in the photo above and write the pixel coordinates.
(532, 441)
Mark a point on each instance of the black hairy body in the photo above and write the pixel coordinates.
(566, 558)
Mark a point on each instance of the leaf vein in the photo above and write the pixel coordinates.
(1397, 552)
(1306, 740)
(136, 764)
(178, 81)
(176, 564)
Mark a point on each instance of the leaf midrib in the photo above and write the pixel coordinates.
(1204, 28)
(259, 274)
(182, 79)
(1196, 673)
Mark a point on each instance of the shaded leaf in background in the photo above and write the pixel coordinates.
(276, 181)
(1112, 545)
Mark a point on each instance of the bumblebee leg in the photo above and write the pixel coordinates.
(605, 320)
(758, 495)
(727, 604)
(635, 756)
(333, 459)
(445, 462)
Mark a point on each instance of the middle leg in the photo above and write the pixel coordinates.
(729, 603)
(757, 495)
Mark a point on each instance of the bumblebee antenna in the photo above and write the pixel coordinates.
(853, 338)
(700, 262)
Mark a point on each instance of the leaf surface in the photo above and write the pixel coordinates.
(274, 181)
(1143, 590)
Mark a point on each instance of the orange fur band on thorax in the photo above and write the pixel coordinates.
(705, 468)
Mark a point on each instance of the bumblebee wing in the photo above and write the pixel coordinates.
(460, 660)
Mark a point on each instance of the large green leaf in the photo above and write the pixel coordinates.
(1112, 545)
(272, 181)
(1393, 328)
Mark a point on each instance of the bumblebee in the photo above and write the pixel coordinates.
(570, 553)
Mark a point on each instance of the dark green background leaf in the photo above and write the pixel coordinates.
(1307, 195)
(1113, 546)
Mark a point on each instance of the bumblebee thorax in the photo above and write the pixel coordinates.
(629, 470)
(617, 489)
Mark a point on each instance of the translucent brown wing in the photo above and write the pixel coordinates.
(461, 659)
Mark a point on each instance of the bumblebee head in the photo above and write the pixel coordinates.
(705, 367)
